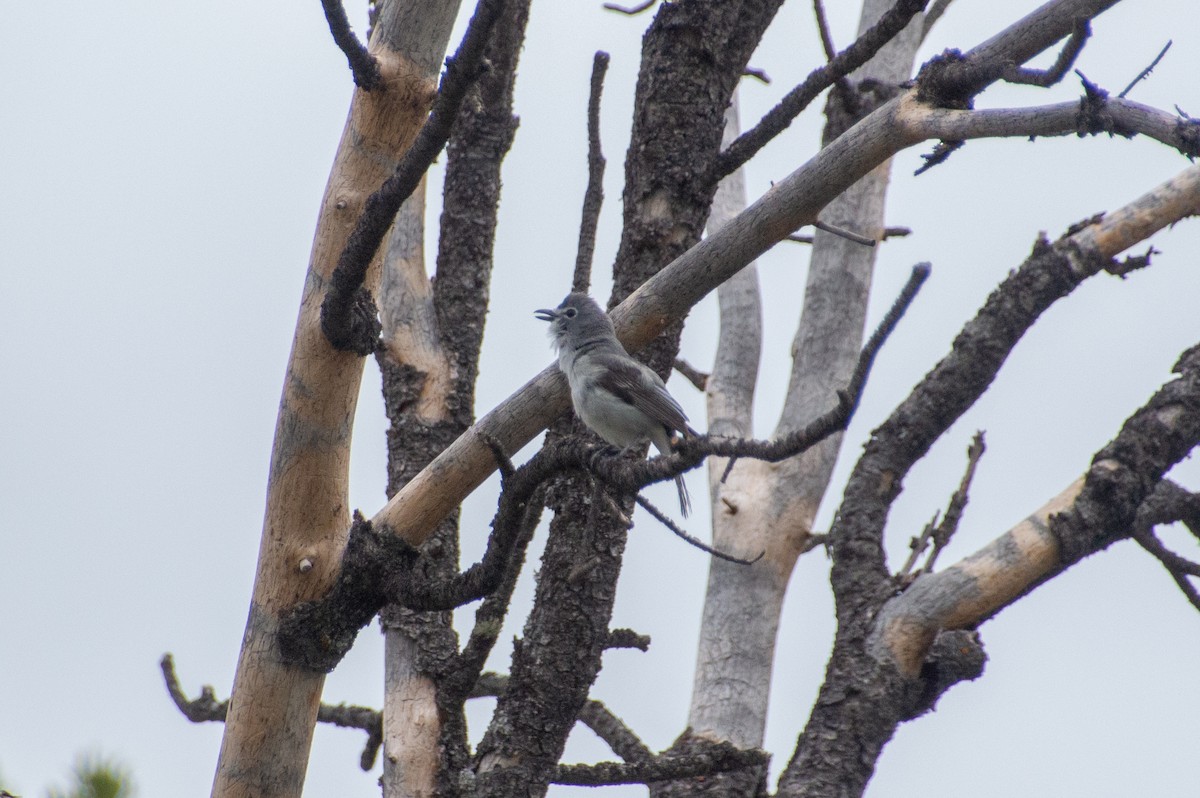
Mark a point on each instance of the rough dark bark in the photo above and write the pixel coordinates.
(864, 698)
(693, 56)
(481, 136)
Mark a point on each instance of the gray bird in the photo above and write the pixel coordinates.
(621, 400)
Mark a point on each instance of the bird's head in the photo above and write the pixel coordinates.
(576, 319)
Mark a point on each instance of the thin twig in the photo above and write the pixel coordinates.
(780, 117)
(942, 532)
(337, 309)
(916, 547)
(594, 714)
(758, 74)
(639, 8)
(941, 152)
(842, 232)
(661, 517)
(932, 15)
(720, 758)
(888, 232)
(363, 65)
(1146, 72)
(834, 420)
(1178, 567)
(823, 29)
(695, 376)
(205, 708)
(593, 195)
(627, 638)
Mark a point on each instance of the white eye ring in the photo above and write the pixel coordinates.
(570, 313)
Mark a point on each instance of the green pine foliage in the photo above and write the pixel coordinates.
(95, 776)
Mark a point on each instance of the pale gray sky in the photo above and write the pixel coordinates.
(162, 167)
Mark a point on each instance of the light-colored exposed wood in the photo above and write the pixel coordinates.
(776, 503)
(970, 591)
(268, 731)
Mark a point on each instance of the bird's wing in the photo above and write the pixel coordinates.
(639, 386)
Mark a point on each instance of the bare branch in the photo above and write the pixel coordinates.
(1146, 72)
(692, 541)
(1120, 493)
(349, 716)
(935, 12)
(697, 378)
(758, 74)
(946, 529)
(639, 8)
(849, 235)
(1050, 273)
(1093, 115)
(888, 232)
(823, 30)
(1169, 504)
(205, 708)
(719, 758)
(1066, 59)
(627, 638)
(1180, 568)
(832, 421)
(347, 316)
(942, 151)
(594, 714)
(593, 195)
(780, 117)
(363, 65)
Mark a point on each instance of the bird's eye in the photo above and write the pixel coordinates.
(570, 313)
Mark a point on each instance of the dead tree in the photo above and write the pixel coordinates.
(903, 638)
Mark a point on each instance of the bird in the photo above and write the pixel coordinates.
(617, 397)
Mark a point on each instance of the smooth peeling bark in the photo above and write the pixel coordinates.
(763, 507)
(268, 731)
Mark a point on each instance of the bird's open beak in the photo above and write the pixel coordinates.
(545, 314)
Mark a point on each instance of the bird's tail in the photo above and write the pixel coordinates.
(685, 502)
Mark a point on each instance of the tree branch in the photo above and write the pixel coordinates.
(347, 314)
(1120, 496)
(939, 534)
(593, 195)
(1145, 73)
(363, 65)
(206, 708)
(885, 667)
(720, 758)
(780, 117)
(594, 714)
(1045, 78)
(1051, 272)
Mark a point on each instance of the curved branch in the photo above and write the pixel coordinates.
(363, 65)
(1111, 502)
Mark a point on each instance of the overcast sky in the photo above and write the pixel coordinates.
(162, 166)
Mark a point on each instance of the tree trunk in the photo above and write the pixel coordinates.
(273, 707)
(769, 508)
